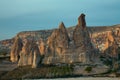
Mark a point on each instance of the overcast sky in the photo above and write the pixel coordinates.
(25, 15)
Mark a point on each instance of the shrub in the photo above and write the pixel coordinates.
(27, 72)
(3, 52)
(88, 69)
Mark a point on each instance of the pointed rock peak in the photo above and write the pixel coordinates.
(81, 20)
(61, 26)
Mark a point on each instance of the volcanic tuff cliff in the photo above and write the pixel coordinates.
(74, 44)
(57, 48)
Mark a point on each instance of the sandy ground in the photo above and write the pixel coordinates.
(7, 66)
(88, 78)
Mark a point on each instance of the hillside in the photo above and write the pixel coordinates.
(66, 45)
(62, 52)
(78, 43)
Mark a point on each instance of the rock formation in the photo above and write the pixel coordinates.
(82, 40)
(57, 42)
(64, 45)
(59, 38)
(81, 21)
(79, 32)
(30, 54)
(107, 41)
(16, 48)
(112, 45)
(27, 52)
(29, 48)
(5, 45)
(78, 49)
(42, 47)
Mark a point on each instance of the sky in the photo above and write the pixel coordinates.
(28, 15)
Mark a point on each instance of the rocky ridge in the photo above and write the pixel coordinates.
(57, 48)
(65, 45)
(5, 47)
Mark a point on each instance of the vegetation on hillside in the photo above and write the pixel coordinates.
(88, 69)
(42, 72)
(3, 52)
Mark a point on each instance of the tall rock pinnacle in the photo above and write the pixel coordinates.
(81, 21)
(82, 39)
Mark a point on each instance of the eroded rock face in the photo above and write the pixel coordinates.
(26, 52)
(82, 40)
(78, 49)
(112, 44)
(57, 43)
(16, 48)
(80, 32)
(58, 47)
(106, 41)
(81, 21)
(5, 46)
(59, 39)
(42, 47)
(30, 54)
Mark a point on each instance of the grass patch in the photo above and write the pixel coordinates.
(17, 73)
(42, 72)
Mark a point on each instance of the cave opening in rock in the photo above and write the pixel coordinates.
(18, 57)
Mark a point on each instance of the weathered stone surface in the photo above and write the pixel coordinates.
(42, 47)
(82, 40)
(81, 21)
(75, 44)
(57, 43)
(112, 45)
(5, 46)
(78, 49)
(16, 48)
(29, 47)
(59, 39)
(79, 33)
(30, 54)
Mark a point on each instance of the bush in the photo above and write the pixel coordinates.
(27, 72)
(88, 69)
(3, 52)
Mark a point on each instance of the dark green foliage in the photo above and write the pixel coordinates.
(3, 52)
(88, 69)
(42, 72)
(17, 73)
(107, 61)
